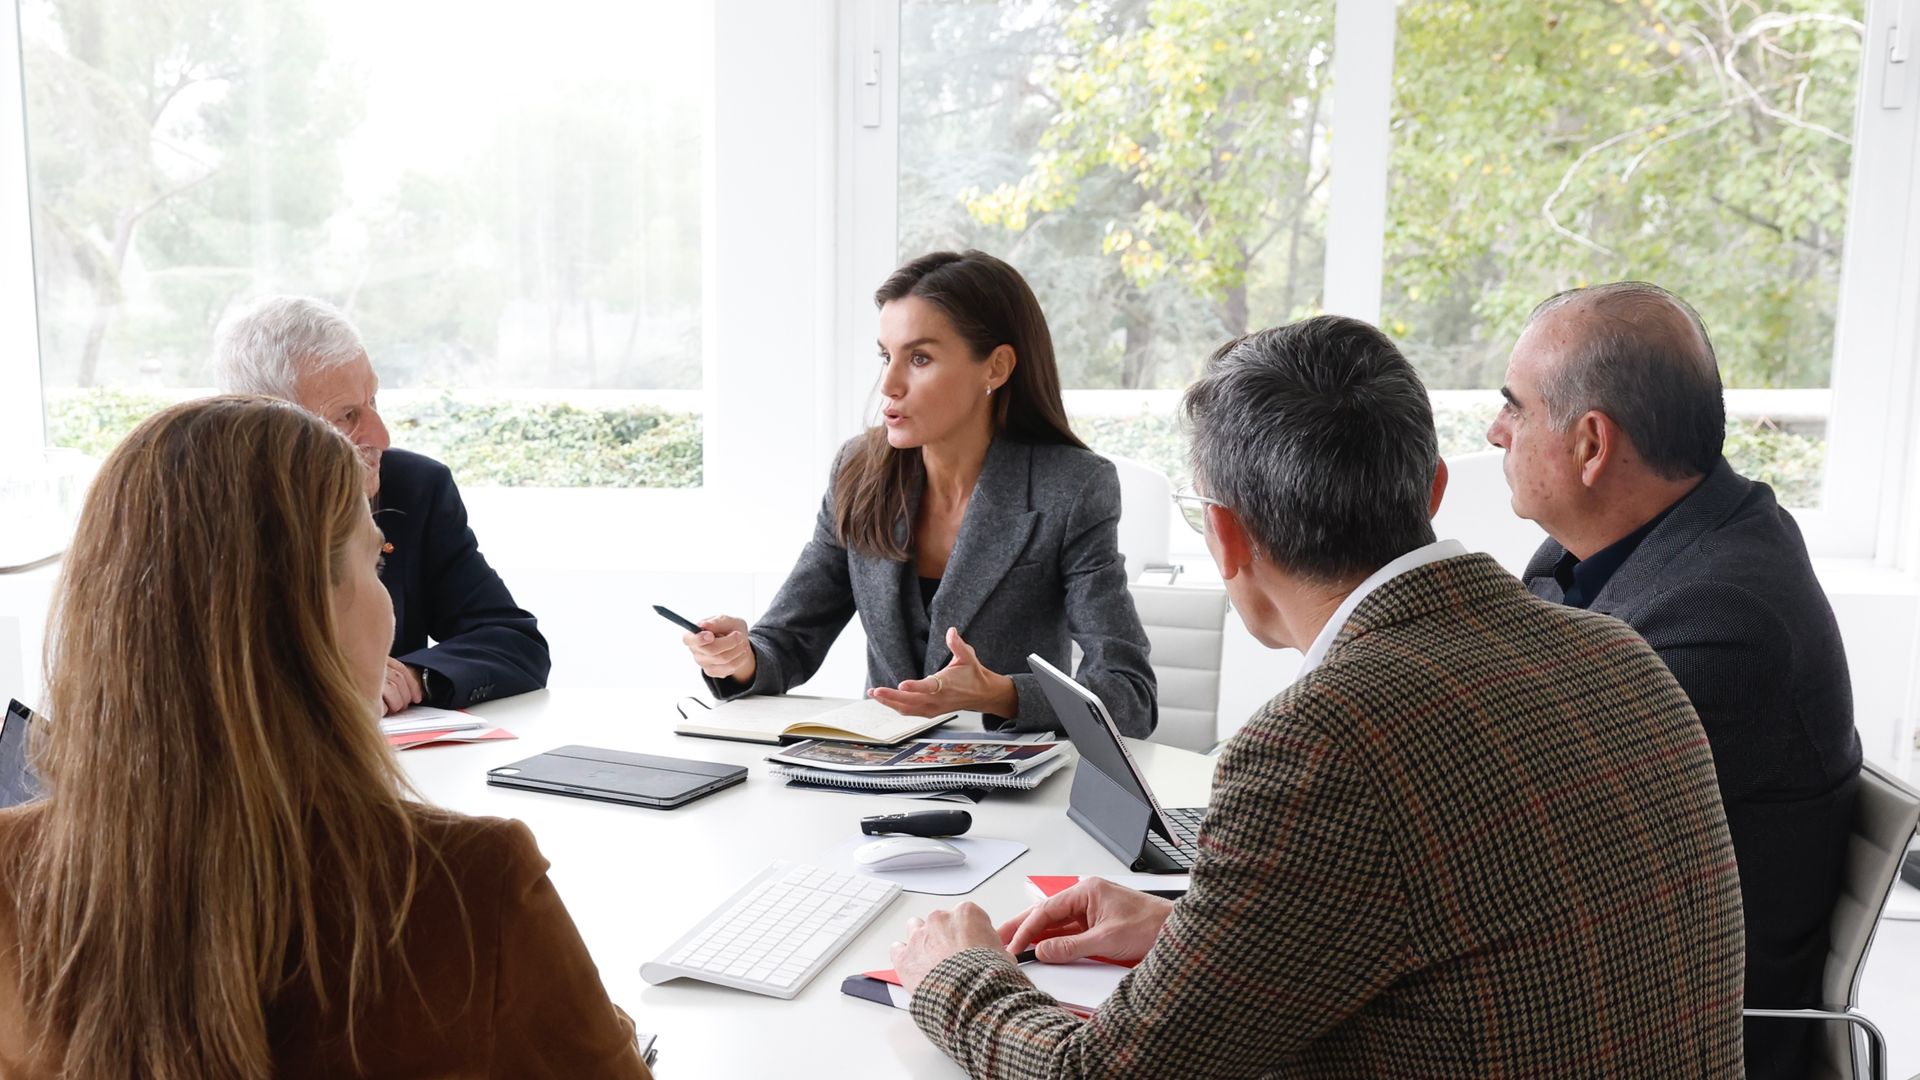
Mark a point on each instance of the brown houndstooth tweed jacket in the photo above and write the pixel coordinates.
(1481, 839)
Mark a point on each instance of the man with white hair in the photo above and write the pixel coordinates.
(486, 646)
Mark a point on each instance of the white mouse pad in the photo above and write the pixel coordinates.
(985, 857)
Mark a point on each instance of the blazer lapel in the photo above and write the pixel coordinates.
(1698, 512)
(992, 535)
(890, 611)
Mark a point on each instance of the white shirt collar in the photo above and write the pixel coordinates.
(1412, 560)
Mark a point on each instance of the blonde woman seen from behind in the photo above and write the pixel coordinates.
(225, 878)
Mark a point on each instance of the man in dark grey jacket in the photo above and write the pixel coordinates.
(1613, 426)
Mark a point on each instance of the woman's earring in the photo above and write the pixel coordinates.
(989, 391)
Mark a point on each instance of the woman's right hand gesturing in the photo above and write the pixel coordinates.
(721, 648)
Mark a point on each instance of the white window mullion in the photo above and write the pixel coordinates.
(1874, 349)
(773, 108)
(868, 193)
(1363, 32)
(1898, 543)
(22, 415)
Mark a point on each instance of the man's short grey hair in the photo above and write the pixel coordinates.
(1645, 361)
(1318, 435)
(267, 346)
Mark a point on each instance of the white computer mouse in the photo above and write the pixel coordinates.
(907, 853)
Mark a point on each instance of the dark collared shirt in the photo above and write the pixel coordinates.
(929, 586)
(1582, 579)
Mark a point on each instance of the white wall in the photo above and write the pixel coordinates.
(23, 617)
(1879, 616)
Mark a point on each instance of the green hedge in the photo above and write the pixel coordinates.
(518, 444)
(1791, 463)
(486, 444)
(554, 444)
(94, 421)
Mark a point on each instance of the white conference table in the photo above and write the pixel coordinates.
(636, 879)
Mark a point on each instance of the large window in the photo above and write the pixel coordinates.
(1159, 173)
(1707, 148)
(615, 244)
(1163, 171)
(509, 207)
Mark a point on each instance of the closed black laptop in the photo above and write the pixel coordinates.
(1110, 799)
(588, 772)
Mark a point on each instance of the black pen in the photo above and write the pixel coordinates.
(678, 619)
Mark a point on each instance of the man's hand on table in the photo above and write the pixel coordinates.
(1093, 918)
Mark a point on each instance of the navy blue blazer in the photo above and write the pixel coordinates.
(1724, 592)
(443, 590)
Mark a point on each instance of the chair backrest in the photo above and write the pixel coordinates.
(1146, 514)
(1478, 511)
(1885, 813)
(1185, 629)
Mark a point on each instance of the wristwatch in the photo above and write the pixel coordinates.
(425, 674)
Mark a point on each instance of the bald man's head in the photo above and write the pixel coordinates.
(1640, 355)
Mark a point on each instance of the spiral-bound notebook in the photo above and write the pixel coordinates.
(929, 780)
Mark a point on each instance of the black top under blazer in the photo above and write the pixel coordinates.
(1724, 592)
(442, 588)
(1036, 566)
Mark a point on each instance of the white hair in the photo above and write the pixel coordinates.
(268, 345)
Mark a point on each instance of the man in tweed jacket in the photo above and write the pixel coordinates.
(1479, 836)
(1613, 429)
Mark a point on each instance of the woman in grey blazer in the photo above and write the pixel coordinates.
(969, 529)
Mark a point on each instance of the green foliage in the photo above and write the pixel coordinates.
(94, 421)
(508, 444)
(486, 444)
(1215, 113)
(1535, 148)
(978, 112)
(173, 144)
(187, 155)
(511, 444)
(1542, 147)
(1793, 464)
(1145, 437)
(1161, 441)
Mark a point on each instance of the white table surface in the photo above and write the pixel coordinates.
(636, 879)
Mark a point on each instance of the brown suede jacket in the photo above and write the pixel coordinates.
(505, 990)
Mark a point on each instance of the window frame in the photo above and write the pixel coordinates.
(1867, 511)
(815, 87)
(22, 411)
(769, 275)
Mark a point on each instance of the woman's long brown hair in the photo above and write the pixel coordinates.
(221, 812)
(990, 305)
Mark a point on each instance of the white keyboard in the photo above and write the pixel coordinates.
(778, 932)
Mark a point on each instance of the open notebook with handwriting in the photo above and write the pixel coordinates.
(791, 717)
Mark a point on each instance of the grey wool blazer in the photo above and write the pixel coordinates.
(1036, 567)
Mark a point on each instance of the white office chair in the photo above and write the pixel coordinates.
(1478, 511)
(1146, 517)
(1185, 630)
(1884, 818)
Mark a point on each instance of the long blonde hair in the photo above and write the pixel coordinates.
(221, 811)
